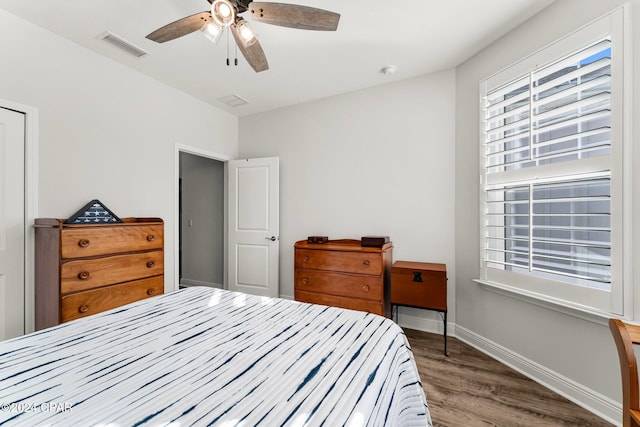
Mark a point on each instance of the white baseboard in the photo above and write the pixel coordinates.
(191, 282)
(591, 400)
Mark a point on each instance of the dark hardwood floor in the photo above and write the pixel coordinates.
(469, 388)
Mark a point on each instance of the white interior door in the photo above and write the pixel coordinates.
(12, 214)
(253, 236)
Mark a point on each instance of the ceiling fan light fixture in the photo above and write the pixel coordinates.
(247, 35)
(212, 31)
(223, 12)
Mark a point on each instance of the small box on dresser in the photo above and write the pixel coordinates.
(342, 273)
(85, 269)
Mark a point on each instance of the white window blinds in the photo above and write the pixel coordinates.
(547, 194)
(558, 113)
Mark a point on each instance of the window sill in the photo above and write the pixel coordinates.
(545, 302)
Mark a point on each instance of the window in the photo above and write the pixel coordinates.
(551, 163)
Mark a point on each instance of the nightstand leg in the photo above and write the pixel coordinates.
(445, 334)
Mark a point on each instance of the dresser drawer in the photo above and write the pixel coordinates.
(83, 304)
(348, 262)
(87, 241)
(80, 275)
(339, 301)
(342, 284)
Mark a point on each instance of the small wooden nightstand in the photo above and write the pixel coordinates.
(421, 285)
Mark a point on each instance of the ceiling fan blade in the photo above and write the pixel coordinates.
(181, 27)
(294, 16)
(253, 54)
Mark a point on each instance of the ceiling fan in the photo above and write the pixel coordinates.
(226, 13)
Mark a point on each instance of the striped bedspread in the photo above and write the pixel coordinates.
(202, 356)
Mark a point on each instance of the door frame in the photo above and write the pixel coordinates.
(181, 148)
(30, 204)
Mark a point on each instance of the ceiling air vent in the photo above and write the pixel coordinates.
(122, 44)
(233, 100)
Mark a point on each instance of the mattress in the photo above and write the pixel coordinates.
(202, 356)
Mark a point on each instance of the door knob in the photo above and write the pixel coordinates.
(272, 238)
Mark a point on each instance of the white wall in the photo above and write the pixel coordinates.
(373, 162)
(105, 131)
(574, 355)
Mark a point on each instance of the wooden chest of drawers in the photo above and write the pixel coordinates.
(85, 269)
(342, 273)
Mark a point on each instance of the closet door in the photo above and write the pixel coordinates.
(12, 239)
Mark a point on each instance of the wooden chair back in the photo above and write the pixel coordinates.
(626, 335)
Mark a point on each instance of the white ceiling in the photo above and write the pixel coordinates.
(416, 36)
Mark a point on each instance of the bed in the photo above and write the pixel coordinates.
(202, 356)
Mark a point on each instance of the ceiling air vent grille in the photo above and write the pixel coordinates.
(122, 44)
(233, 100)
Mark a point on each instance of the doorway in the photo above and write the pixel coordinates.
(201, 220)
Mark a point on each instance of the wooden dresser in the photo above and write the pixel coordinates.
(342, 273)
(85, 269)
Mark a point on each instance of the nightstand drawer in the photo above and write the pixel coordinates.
(342, 284)
(348, 262)
(83, 304)
(88, 241)
(419, 285)
(80, 275)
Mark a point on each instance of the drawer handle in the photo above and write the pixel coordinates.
(305, 281)
(83, 308)
(83, 275)
(83, 243)
(305, 259)
(151, 237)
(365, 288)
(151, 291)
(366, 263)
(150, 264)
